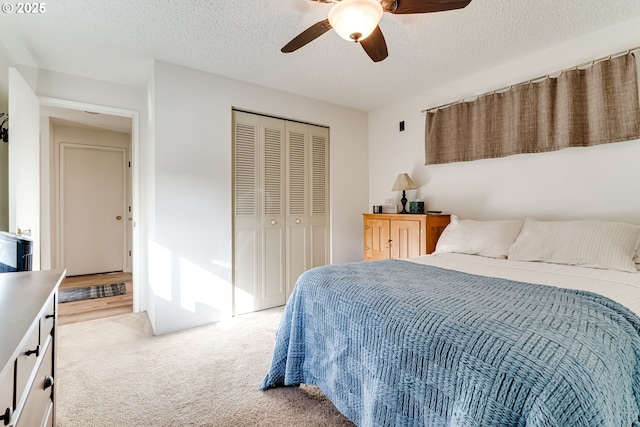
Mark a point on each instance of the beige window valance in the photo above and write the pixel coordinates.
(578, 108)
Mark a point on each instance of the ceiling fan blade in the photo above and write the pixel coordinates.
(375, 46)
(426, 6)
(308, 35)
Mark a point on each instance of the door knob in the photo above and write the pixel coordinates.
(118, 217)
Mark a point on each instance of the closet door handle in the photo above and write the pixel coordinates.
(274, 222)
(298, 220)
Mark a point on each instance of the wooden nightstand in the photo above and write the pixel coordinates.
(401, 235)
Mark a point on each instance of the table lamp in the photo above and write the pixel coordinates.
(403, 183)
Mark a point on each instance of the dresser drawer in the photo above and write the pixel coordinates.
(6, 392)
(39, 402)
(26, 362)
(28, 304)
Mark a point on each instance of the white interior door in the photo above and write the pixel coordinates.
(93, 208)
(24, 162)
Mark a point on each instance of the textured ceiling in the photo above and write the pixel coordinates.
(117, 41)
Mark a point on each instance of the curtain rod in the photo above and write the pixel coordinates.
(584, 65)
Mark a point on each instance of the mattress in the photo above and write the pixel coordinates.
(619, 286)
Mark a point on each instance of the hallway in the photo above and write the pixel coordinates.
(98, 308)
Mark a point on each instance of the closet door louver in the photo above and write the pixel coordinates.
(245, 169)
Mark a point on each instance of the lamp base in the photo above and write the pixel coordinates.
(404, 203)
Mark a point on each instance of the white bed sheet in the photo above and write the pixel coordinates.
(619, 286)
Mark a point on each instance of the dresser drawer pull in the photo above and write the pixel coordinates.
(7, 416)
(48, 381)
(30, 352)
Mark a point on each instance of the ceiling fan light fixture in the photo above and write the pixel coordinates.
(355, 20)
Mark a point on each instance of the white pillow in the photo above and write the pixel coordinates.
(588, 243)
(485, 238)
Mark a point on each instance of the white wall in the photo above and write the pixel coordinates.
(4, 148)
(24, 164)
(596, 182)
(185, 179)
(191, 248)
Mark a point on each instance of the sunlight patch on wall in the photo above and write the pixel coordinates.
(160, 270)
(201, 287)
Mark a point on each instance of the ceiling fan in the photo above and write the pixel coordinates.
(357, 21)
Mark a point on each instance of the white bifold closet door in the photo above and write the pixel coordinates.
(281, 207)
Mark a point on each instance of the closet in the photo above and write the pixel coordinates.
(280, 207)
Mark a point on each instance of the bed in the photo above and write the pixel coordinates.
(509, 323)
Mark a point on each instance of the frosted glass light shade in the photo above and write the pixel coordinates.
(355, 20)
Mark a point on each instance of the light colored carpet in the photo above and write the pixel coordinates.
(114, 372)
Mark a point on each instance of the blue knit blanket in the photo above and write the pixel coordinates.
(394, 343)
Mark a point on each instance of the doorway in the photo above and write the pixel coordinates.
(115, 163)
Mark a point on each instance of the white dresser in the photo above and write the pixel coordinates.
(28, 310)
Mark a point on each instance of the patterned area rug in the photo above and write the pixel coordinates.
(91, 292)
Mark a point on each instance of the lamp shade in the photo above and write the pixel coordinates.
(355, 20)
(403, 182)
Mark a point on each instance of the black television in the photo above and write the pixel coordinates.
(15, 253)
